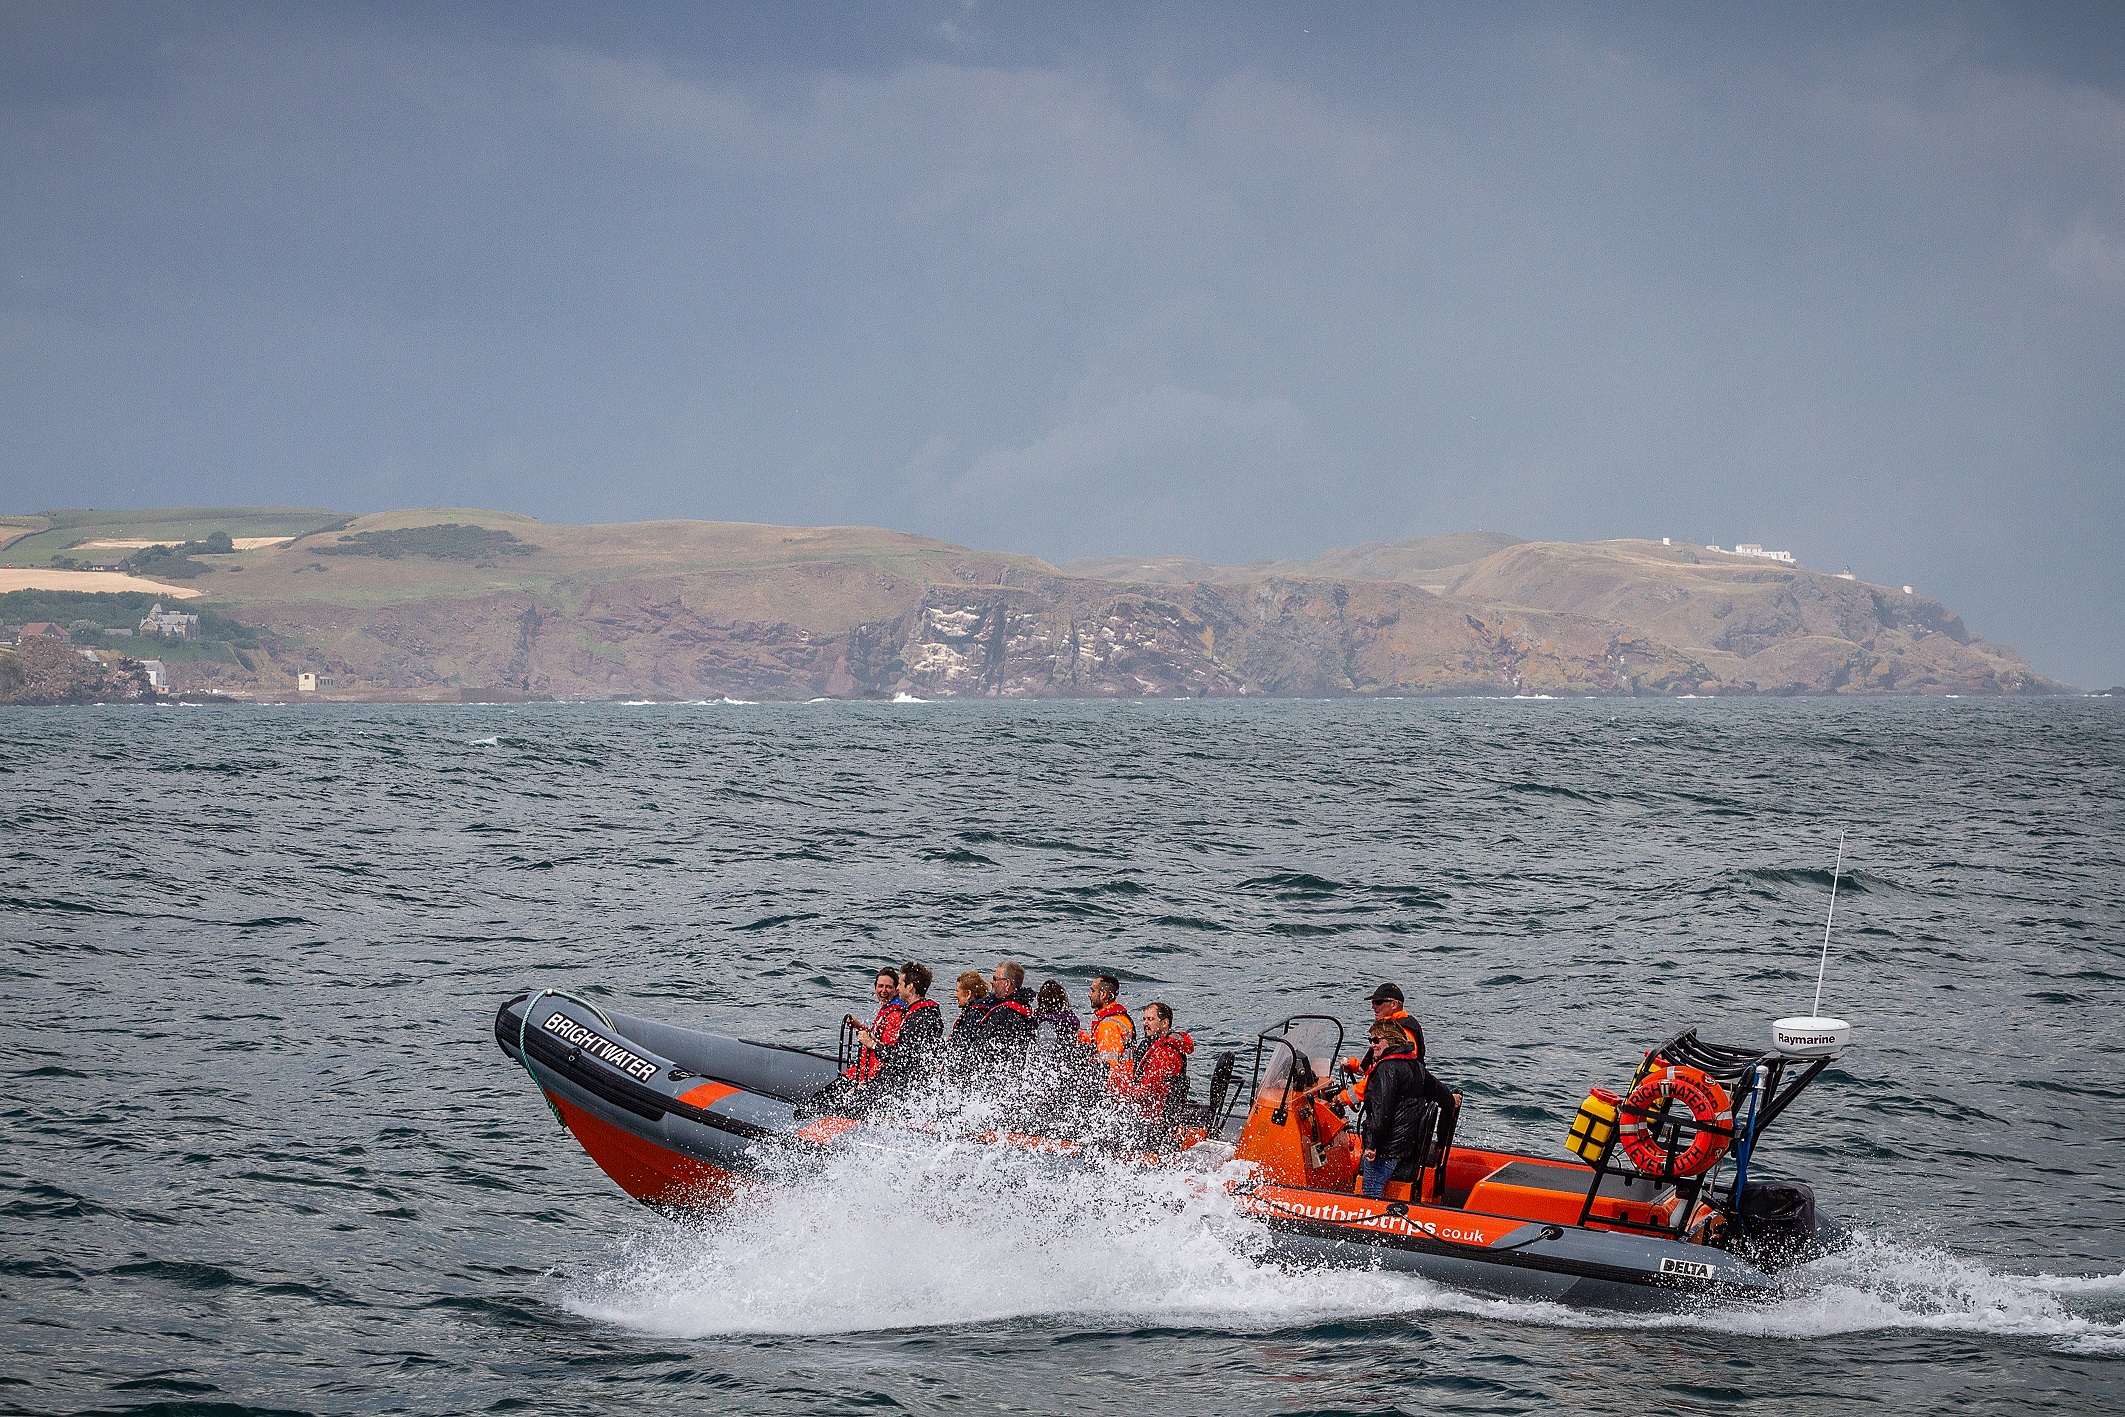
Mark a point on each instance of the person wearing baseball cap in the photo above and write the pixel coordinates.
(1387, 1007)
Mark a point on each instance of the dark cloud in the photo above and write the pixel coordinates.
(1235, 283)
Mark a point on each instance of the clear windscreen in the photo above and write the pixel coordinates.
(1301, 1056)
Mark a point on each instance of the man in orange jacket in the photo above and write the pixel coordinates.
(1113, 1031)
(1386, 1008)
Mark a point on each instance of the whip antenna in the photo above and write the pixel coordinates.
(1819, 969)
(1816, 1037)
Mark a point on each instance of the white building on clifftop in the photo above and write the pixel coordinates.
(1750, 548)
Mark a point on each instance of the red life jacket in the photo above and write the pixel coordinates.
(885, 1027)
(1162, 1063)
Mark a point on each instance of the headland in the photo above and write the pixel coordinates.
(457, 604)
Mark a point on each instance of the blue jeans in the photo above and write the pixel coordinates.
(1376, 1174)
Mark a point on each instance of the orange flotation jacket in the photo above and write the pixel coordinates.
(1354, 1094)
(1113, 1031)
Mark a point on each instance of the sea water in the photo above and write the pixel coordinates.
(262, 1153)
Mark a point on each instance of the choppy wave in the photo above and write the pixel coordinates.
(264, 1153)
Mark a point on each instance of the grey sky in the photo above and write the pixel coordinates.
(1074, 280)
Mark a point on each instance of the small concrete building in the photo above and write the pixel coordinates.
(1750, 548)
(158, 675)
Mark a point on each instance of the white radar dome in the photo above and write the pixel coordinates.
(1811, 1037)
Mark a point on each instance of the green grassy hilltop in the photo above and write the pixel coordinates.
(441, 601)
(44, 535)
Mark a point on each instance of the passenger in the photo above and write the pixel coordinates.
(1007, 1028)
(962, 1049)
(1113, 1031)
(1055, 1027)
(884, 1026)
(1157, 1083)
(910, 1058)
(1386, 1007)
(1399, 1107)
(1058, 1065)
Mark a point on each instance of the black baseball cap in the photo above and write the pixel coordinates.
(1387, 991)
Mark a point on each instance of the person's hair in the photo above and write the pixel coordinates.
(968, 979)
(916, 977)
(1164, 1011)
(1052, 996)
(1114, 986)
(1013, 971)
(887, 972)
(1391, 1032)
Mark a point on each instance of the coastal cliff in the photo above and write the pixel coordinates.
(455, 602)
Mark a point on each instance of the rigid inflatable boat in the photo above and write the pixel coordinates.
(1657, 1209)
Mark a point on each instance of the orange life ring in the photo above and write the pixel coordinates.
(1645, 1111)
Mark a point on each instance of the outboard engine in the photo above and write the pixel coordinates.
(1778, 1226)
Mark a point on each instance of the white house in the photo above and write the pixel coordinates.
(1750, 548)
(158, 676)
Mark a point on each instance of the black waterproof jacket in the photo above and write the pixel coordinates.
(1397, 1119)
(912, 1060)
(1007, 1033)
(962, 1049)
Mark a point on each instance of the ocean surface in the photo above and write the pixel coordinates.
(262, 1155)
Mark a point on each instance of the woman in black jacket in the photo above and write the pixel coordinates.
(1402, 1100)
(963, 1046)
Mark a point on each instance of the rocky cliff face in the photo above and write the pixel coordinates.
(1076, 639)
(702, 610)
(1756, 627)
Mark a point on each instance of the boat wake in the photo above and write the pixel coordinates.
(1880, 1283)
(888, 1236)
